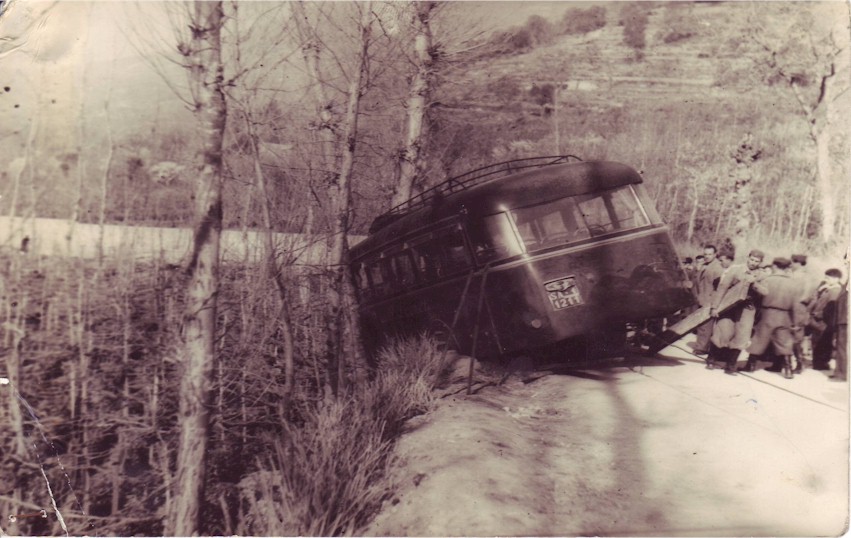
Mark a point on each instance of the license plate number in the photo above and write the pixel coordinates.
(563, 293)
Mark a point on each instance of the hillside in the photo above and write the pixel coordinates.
(599, 64)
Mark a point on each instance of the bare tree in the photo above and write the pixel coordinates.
(204, 62)
(337, 135)
(411, 158)
(808, 56)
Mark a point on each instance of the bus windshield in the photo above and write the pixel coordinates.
(562, 221)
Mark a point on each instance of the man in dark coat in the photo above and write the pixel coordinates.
(707, 278)
(808, 284)
(841, 371)
(778, 318)
(732, 330)
(822, 318)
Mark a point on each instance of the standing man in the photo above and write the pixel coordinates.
(732, 331)
(841, 371)
(823, 318)
(706, 280)
(807, 284)
(777, 318)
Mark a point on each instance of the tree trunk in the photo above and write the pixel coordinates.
(340, 202)
(692, 217)
(104, 185)
(824, 182)
(206, 75)
(411, 156)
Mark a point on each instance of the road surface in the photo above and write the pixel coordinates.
(656, 446)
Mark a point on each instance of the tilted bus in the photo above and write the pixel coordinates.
(518, 257)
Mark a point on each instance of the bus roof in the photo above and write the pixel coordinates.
(532, 187)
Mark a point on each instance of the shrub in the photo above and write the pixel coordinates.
(327, 475)
(543, 94)
(519, 40)
(634, 18)
(536, 32)
(582, 21)
(541, 31)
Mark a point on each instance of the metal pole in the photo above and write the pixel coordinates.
(476, 329)
(555, 117)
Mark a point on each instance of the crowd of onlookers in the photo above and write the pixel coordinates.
(780, 311)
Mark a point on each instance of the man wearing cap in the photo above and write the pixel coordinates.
(777, 318)
(732, 330)
(822, 318)
(706, 280)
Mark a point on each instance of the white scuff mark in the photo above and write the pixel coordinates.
(49, 443)
(53, 500)
(523, 412)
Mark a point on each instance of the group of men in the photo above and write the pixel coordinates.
(781, 308)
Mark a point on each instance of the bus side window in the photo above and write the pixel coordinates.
(455, 251)
(361, 281)
(427, 256)
(387, 275)
(405, 272)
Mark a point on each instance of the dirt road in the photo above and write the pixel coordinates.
(646, 447)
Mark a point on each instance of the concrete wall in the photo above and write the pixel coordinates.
(56, 237)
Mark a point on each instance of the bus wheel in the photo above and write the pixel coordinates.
(607, 344)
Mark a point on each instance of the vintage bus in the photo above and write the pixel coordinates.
(521, 257)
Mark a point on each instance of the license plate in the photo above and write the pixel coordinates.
(563, 293)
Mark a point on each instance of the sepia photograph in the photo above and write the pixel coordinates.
(424, 268)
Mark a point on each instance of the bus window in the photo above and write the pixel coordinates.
(573, 219)
(551, 224)
(627, 209)
(376, 278)
(361, 281)
(427, 257)
(594, 213)
(455, 251)
(616, 209)
(497, 240)
(406, 275)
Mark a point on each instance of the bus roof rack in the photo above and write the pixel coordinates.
(467, 180)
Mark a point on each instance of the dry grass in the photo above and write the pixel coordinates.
(328, 474)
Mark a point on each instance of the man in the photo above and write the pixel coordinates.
(688, 267)
(841, 371)
(807, 284)
(695, 272)
(706, 281)
(800, 273)
(822, 320)
(777, 318)
(732, 331)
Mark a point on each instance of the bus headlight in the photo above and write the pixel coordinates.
(532, 320)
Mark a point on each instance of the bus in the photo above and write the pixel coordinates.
(546, 253)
